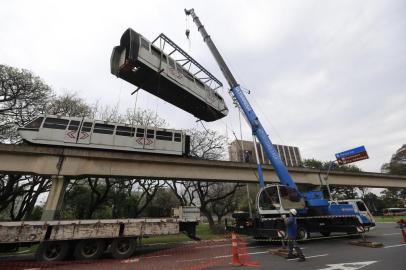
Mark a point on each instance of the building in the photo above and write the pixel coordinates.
(243, 151)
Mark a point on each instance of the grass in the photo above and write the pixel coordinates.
(202, 231)
(389, 218)
(23, 250)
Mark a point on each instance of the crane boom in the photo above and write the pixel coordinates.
(256, 126)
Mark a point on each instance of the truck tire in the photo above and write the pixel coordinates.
(325, 233)
(52, 251)
(89, 249)
(302, 233)
(122, 248)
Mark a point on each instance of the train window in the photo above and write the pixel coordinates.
(199, 83)
(150, 133)
(87, 126)
(179, 68)
(103, 128)
(74, 125)
(218, 96)
(36, 123)
(178, 137)
(145, 44)
(171, 62)
(189, 76)
(164, 58)
(155, 51)
(140, 133)
(164, 135)
(55, 123)
(125, 131)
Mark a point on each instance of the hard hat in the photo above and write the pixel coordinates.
(293, 211)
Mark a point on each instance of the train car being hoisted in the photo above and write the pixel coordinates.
(173, 76)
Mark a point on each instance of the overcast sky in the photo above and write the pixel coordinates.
(325, 76)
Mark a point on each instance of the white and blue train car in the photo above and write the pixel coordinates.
(95, 134)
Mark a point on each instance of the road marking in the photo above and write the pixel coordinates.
(307, 257)
(401, 245)
(348, 266)
(157, 256)
(391, 234)
(259, 252)
(224, 256)
(224, 245)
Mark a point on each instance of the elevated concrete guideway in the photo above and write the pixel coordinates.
(75, 162)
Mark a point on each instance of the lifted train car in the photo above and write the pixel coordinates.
(173, 76)
(87, 133)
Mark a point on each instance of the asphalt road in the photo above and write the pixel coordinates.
(331, 254)
(338, 254)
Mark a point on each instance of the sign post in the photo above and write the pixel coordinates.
(352, 155)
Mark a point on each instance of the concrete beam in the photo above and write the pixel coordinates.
(76, 162)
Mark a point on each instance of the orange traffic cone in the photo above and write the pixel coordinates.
(244, 259)
(402, 224)
(234, 250)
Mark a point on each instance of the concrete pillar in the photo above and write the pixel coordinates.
(55, 198)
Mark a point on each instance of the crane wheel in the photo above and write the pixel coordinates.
(325, 233)
(302, 234)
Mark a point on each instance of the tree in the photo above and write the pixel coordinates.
(69, 104)
(230, 203)
(207, 144)
(208, 196)
(141, 193)
(338, 192)
(19, 193)
(396, 197)
(23, 96)
(161, 204)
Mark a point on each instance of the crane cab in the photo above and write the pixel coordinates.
(274, 200)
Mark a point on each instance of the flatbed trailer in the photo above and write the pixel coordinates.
(89, 239)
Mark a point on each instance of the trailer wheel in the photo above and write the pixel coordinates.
(122, 248)
(52, 251)
(302, 233)
(89, 249)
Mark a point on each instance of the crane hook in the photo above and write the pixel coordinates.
(187, 33)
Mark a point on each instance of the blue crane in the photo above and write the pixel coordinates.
(252, 118)
(317, 213)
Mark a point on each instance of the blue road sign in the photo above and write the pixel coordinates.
(352, 155)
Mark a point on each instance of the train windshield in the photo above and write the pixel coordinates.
(36, 124)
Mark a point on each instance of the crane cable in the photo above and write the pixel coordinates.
(187, 33)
